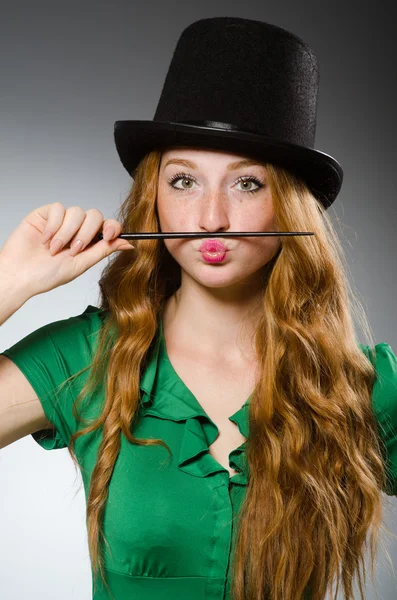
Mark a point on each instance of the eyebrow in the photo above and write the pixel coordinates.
(231, 167)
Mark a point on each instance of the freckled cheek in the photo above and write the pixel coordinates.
(171, 219)
(265, 246)
(257, 250)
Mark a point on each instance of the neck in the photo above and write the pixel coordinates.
(222, 329)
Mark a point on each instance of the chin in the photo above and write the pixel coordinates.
(218, 276)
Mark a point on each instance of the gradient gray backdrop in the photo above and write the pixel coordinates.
(68, 71)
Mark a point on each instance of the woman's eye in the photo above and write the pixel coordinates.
(185, 179)
(188, 180)
(248, 181)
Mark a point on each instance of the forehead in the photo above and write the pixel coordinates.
(206, 156)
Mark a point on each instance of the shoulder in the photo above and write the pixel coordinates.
(89, 320)
(55, 341)
(384, 392)
(384, 360)
(384, 402)
(74, 328)
(77, 334)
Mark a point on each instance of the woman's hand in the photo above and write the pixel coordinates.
(39, 261)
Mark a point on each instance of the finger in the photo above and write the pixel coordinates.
(111, 229)
(52, 215)
(87, 232)
(74, 218)
(97, 252)
(118, 244)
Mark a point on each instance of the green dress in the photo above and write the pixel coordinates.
(170, 523)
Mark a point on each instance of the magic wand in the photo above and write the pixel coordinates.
(192, 234)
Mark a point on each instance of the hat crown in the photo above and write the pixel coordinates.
(241, 86)
(255, 75)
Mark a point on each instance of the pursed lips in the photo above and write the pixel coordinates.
(213, 246)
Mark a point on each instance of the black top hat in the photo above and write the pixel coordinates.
(243, 86)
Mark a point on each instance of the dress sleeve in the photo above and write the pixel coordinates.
(50, 355)
(384, 402)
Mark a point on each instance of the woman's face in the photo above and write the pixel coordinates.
(208, 193)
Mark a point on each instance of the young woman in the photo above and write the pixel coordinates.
(234, 437)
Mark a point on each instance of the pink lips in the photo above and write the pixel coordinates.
(212, 246)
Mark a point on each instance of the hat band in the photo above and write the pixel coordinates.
(217, 125)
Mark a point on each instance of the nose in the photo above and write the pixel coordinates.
(213, 213)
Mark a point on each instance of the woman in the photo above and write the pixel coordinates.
(233, 436)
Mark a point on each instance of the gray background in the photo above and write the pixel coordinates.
(68, 71)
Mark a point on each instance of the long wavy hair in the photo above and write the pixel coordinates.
(316, 468)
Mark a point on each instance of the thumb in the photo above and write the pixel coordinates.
(91, 255)
(119, 244)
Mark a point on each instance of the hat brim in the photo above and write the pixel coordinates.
(321, 172)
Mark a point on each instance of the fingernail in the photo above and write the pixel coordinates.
(75, 247)
(56, 245)
(108, 233)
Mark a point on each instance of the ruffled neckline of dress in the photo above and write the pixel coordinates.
(165, 395)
